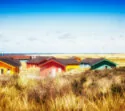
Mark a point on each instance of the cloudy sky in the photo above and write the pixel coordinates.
(62, 26)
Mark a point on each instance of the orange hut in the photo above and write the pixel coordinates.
(9, 66)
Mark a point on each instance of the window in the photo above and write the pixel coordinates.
(8, 71)
(59, 70)
(106, 67)
(1, 71)
(53, 72)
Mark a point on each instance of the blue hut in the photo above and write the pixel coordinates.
(98, 63)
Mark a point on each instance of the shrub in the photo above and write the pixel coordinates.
(116, 88)
(67, 93)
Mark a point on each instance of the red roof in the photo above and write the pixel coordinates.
(43, 59)
(17, 57)
(54, 60)
(39, 59)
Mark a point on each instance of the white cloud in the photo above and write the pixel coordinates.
(78, 35)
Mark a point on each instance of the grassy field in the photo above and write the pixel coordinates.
(117, 58)
(88, 91)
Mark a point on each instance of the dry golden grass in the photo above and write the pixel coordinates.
(31, 71)
(117, 58)
(88, 91)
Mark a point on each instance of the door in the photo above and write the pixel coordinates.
(1, 71)
(59, 70)
(53, 72)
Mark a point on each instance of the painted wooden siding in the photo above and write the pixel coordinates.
(103, 67)
(103, 63)
(70, 67)
(51, 67)
(31, 65)
(23, 61)
(85, 67)
(5, 67)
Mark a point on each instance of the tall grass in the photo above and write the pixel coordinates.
(88, 91)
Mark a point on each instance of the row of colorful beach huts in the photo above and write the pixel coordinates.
(50, 66)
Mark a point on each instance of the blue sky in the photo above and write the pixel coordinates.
(62, 26)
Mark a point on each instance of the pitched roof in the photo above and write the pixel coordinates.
(76, 58)
(69, 61)
(21, 57)
(61, 61)
(10, 61)
(17, 57)
(92, 61)
(43, 59)
(51, 60)
(39, 59)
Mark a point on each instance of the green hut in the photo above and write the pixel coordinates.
(98, 63)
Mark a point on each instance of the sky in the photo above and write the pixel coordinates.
(62, 26)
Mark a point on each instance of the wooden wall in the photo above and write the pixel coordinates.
(5, 67)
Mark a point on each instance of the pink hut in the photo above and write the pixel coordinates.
(51, 68)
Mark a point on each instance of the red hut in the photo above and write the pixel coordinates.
(37, 60)
(51, 68)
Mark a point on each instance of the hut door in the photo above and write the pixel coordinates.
(1, 71)
(53, 73)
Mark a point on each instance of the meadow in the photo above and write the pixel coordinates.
(117, 58)
(87, 91)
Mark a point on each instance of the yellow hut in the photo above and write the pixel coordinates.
(70, 63)
(9, 66)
